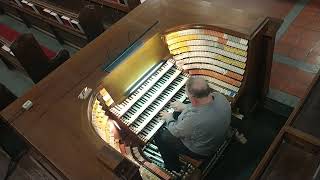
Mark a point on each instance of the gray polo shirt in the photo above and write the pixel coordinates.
(203, 129)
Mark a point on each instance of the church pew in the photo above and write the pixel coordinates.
(62, 23)
(34, 61)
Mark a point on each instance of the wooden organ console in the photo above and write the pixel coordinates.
(133, 106)
(146, 58)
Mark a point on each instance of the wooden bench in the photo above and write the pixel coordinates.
(34, 61)
(65, 24)
(206, 165)
(7, 56)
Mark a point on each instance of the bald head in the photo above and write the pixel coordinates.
(198, 87)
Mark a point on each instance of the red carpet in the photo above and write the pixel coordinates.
(11, 35)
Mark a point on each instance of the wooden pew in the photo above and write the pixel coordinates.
(34, 61)
(121, 5)
(7, 56)
(295, 152)
(91, 22)
(65, 24)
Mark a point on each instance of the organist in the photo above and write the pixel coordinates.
(200, 128)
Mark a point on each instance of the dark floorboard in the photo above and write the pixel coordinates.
(239, 161)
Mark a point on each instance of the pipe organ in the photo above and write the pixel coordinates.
(192, 50)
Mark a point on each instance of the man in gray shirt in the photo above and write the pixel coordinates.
(200, 128)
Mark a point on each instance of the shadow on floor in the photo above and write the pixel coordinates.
(240, 160)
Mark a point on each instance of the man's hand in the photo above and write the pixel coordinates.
(178, 106)
(166, 115)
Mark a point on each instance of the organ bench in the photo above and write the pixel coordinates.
(99, 113)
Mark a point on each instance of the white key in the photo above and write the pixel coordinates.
(139, 92)
(162, 104)
(157, 122)
(151, 99)
(154, 130)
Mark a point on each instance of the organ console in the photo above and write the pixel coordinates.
(150, 54)
(134, 104)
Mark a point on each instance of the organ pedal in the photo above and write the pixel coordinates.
(237, 114)
(195, 162)
(241, 138)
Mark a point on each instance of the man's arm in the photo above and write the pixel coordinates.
(184, 127)
(179, 106)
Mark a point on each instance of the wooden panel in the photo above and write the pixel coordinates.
(292, 162)
(308, 118)
(70, 5)
(72, 39)
(37, 22)
(75, 5)
(10, 10)
(73, 145)
(10, 60)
